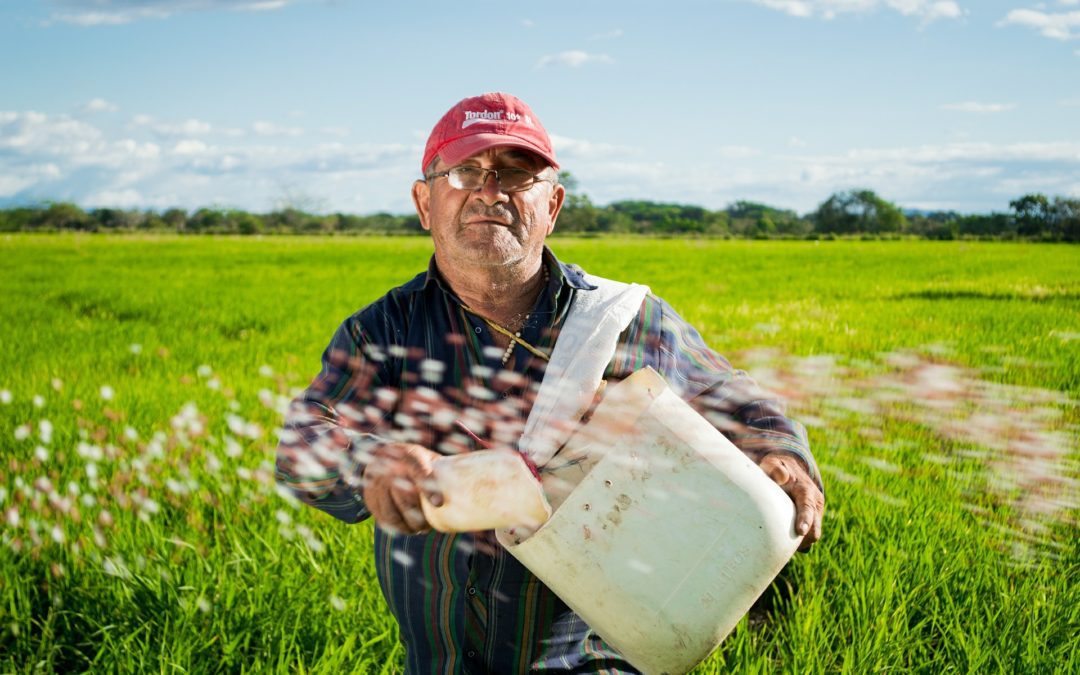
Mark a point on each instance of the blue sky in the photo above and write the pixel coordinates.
(325, 104)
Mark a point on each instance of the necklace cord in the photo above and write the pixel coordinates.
(515, 338)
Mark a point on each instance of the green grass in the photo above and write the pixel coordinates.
(939, 381)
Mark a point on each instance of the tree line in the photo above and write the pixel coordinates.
(859, 213)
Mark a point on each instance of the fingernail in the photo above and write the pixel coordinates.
(804, 527)
(435, 499)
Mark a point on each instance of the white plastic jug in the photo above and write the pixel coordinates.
(664, 533)
(485, 490)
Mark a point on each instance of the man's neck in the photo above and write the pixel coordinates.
(502, 293)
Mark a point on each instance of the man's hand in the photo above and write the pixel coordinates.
(392, 484)
(790, 474)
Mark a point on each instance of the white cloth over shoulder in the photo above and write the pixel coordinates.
(582, 352)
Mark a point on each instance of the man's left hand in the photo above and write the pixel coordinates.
(792, 476)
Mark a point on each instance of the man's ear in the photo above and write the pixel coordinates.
(421, 197)
(555, 204)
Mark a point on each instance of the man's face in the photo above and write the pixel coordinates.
(488, 227)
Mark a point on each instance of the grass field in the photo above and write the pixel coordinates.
(142, 379)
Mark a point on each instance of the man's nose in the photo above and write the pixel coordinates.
(490, 192)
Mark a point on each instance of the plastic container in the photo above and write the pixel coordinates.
(485, 490)
(664, 533)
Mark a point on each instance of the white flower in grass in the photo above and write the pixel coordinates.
(213, 383)
(90, 452)
(57, 534)
(45, 431)
(41, 454)
(232, 448)
(131, 434)
(107, 393)
(135, 348)
(337, 603)
(213, 464)
(57, 383)
(22, 432)
(39, 401)
(12, 517)
(5, 396)
(266, 371)
(205, 371)
(283, 517)
(115, 566)
(204, 605)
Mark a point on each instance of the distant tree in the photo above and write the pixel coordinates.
(1034, 215)
(116, 219)
(246, 223)
(1067, 218)
(176, 219)
(63, 216)
(21, 218)
(206, 221)
(858, 211)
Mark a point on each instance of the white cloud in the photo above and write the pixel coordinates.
(1055, 25)
(573, 58)
(796, 142)
(1062, 151)
(977, 107)
(270, 129)
(117, 12)
(735, 152)
(48, 157)
(98, 105)
(963, 176)
(189, 147)
(188, 127)
(927, 10)
(609, 35)
(574, 148)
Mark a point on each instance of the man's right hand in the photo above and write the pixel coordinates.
(393, 480)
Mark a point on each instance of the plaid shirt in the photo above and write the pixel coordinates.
(415, 367)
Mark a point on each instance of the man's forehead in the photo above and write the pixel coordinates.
(507, 154)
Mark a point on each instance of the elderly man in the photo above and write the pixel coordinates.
(451, 361)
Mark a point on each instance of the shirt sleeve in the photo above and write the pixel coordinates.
(327, 436)
(751, 418)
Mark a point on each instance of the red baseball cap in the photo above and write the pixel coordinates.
(487, 121)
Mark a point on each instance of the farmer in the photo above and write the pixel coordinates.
(451, 361)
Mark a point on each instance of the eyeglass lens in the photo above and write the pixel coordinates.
(474, 177)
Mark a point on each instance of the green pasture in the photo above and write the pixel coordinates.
(142, 379)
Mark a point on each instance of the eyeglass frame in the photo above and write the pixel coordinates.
(487, 172)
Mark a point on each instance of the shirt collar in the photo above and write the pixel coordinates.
(571, 274)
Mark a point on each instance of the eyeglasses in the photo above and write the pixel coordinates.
(475, 177)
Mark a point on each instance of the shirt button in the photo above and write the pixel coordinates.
(472, 590)
(470, 653)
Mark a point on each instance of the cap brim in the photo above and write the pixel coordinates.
(460, 149)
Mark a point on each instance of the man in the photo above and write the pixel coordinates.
(451, 362)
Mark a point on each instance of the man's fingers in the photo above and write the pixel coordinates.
(809, 502)
(406, 499)
(775, 468)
